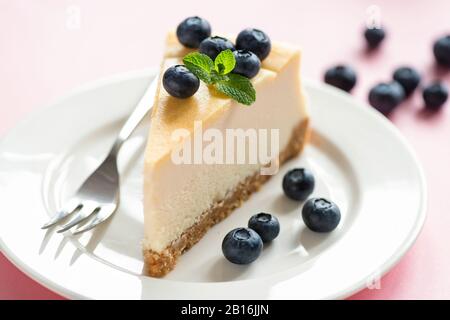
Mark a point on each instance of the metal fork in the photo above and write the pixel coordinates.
(99, 195)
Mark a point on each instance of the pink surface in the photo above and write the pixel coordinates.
(42, 56)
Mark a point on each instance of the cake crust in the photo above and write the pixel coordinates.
(158, 264)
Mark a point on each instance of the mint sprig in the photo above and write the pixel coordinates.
(238, 87)
(225, 62)
(218, 73)
(199, 64)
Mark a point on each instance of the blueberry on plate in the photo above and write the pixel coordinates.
(242, 246)
(179, 82)
(247, 63)
(321, 215)
(441, 50)
(266, 225)
(435, 95)
(212, 46)
(254, 40)
(408, 78)
(374, 36)
(298, 184)
(342, 77)
(193, 30)
(386, 96)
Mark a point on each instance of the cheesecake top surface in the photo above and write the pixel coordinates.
(279, 56)
(206, 105)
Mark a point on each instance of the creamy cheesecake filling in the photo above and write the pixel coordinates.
(175, 196)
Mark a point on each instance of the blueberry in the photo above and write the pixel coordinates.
(179, 82)
(212, 46)
(441, 50)
(435, 95)
(266, 225)
(374, 36)
(298, 184)
(254, 40)
(247, 63)
(321, 215)
(342, 77)
(242, 246)
(408, 78)
(386, 96)
(193, 30)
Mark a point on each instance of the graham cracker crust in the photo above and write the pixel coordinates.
(158, 264)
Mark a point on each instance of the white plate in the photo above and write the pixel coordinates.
(359, 159)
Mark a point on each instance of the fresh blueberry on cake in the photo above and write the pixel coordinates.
(180, 82)
(266, 225)
(193, 30)
(441, 50)
(212, 46)
(247, 63)
(321, 215)
(342, 77)
(242, 246)
(435, 95)
(183, 201)
(386, 96)
(408, 78)
(254, 40)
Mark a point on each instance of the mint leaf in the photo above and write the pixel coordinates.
(225, 62)
(199, 64)
(238, 88)
(217, 73)
(216, 77)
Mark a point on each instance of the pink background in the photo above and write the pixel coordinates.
(41, 57)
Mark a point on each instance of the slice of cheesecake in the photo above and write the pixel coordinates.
(182, 201)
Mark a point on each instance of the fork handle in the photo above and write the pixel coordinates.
(143, 107)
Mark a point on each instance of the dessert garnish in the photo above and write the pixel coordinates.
(435, 95)
(217, 73)
(341, 76)
(254, 40)
(408, 78)
(386, 96)
(321, 215)
(247, 63)
(441, 50)
(179, 82)
(298, 184)
(242, 246)
(212, 46)
(192, 31)
(266, 225)
(374, 36)
(217, 63)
